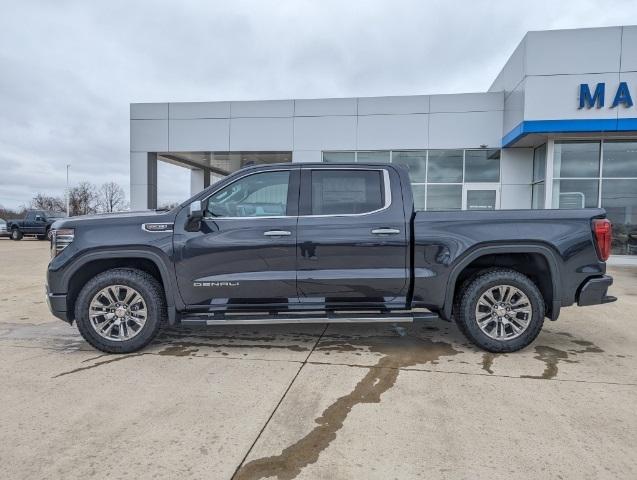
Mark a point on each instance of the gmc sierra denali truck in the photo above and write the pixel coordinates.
(324, 243)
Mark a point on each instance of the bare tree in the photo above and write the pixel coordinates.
(83, 199)
(11, 213)
(167, 206)
(48, 203)
(111, 198)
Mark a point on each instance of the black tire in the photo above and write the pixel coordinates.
(16, 234)
(465, 309)
(41, 237)
(150, 290)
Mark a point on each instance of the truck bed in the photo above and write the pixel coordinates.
(560, 240)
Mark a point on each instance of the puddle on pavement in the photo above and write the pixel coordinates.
(487, 362)
(551, 356)
(396, 353)
(185, 342)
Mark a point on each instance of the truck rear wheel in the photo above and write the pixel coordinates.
(120, 310)
(16, 234)
(500, 310)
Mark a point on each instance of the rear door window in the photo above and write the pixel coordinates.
(342, 192)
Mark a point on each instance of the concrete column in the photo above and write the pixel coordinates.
(199, 179)
(143, 180)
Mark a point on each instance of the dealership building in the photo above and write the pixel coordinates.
(556, 129)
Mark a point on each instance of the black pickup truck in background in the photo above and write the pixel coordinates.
(35, 222)
(299, 243)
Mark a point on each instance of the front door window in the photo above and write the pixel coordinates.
(258, 195)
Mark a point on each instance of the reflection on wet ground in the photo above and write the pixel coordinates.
(369, 346)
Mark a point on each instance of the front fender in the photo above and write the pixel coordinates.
(59, 279)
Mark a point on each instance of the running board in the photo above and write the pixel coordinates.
(287, 318)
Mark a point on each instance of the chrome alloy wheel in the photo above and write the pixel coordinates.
(117, 312)
(503, 312)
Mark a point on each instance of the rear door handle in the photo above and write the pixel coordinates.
(277, 233)
(385, 231)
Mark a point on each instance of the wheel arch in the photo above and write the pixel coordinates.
(91, 264)
(505, 256)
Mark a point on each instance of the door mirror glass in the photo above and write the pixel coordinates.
(195, 211)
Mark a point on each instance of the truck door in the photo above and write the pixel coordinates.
(352, 240)
(29, 222)
(244, 252)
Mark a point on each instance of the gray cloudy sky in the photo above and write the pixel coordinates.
(69, 69)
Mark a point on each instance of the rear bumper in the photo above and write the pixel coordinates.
(593, 292)
(57, 305)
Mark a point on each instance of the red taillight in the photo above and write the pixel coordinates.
(603, 235)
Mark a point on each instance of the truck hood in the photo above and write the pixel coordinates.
(119, 218)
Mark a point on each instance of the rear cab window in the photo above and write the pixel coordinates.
(347, 192)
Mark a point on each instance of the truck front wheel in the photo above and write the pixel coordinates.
(500, 310)
(16, 234)
(120, 310)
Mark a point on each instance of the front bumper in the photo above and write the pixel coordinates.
(57, 305)
(593, 292)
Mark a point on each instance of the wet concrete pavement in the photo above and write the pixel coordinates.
(314, 401)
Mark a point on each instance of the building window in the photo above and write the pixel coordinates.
(575, 193)
(339, 157)
(444, 197)
(437, 176)
(415, 162)
(620, 159)
(372, 157)
(539, 174)
(576, 174)
(445, 166)
(619, 193)
(482, 166)
(600, 174)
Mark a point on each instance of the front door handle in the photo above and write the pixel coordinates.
(277, 233)
(385, 231)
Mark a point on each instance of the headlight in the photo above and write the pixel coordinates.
(60, 239)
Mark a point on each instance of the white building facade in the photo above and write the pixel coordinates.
(557, 129)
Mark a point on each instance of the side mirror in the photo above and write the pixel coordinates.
(38, 218)
(195, 212)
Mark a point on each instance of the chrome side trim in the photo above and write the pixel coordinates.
(386, 184)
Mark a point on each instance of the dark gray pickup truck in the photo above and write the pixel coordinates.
(322, 243)
(35, 222)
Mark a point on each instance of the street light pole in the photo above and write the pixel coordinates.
(68, 196)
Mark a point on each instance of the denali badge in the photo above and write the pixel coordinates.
(157, 227)
(215, 284)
